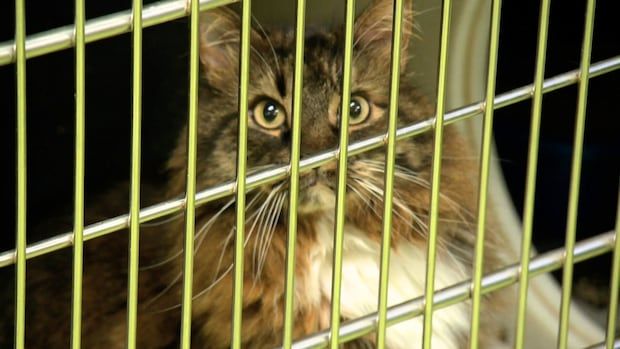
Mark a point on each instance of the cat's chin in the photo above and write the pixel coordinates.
(316, 198)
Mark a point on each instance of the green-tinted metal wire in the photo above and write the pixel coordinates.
(342, 174)
(244, 78)
(134, 204)
(436, 176)
(532, 164)
(484, 173)
(78, 213)
(190, 189)
(614, 286)
(294, 174)
(573, 200)
(389, 174)
(20, 233)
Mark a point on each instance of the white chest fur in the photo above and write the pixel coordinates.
(360, 279)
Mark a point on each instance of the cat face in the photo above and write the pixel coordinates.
(270, 112)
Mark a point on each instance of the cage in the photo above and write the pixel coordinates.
(460, 59)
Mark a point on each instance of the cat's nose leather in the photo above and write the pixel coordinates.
(309, 179)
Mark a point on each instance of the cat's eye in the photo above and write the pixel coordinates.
(268, 114)
(359, 110)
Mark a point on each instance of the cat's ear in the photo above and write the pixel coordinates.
(219, 44)
(373, 29)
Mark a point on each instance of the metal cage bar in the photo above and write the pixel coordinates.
(390, 156)
(614, 285)
(532, 164)
(431, 254)
(460, 292)
(279, 172)
(134, 203)
(80, 139)
(573, 200)
(342, 152)
(19, 255)
(190, 185)
(294, 173)
(485, 158)
(103, 27)
(244, 79)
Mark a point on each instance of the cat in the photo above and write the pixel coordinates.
(270, 99)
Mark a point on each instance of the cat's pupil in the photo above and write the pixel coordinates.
(355, 109)
(270, 112)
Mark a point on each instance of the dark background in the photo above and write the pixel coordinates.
(50, 113)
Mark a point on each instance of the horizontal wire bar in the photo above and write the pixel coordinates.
(271, 175)
(460, 292)
(616, 345)
(102, 27)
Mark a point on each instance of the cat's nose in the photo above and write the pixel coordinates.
(309, 179)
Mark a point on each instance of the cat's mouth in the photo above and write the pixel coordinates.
(316, 193)
(315, 198)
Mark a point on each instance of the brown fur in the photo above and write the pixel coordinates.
(105, 275)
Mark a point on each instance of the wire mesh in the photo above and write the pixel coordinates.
(84, 31)
(171, 207)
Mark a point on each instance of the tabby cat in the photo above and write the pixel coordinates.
(270, 99)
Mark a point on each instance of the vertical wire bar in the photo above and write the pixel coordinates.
(134, 205)
(342, 174)
(573, 201)
(20, 233)
(190, 189)
(484, 173)
(436, 176)
(389, 174)
(614, 286)
(78, 214)
(294, 174)
(244, 78)
(532, 164)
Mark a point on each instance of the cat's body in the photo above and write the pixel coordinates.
(266, 225)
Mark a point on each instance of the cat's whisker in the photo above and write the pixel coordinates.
(224, 246)
(164, 291)
(266, 37)
(260, 219)
(204, 234)
(378, 194)
(365, 199)
(271, 232)
(264, 232)
(202, 230)
(201, 235)
(410, 175)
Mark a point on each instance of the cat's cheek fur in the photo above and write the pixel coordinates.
(360, 280)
